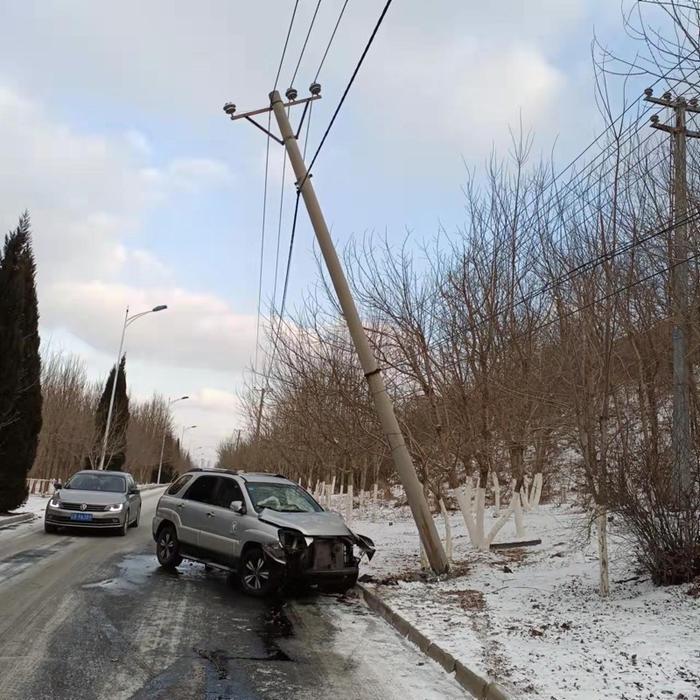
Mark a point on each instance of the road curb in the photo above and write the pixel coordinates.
(477, 686)
(15, 520)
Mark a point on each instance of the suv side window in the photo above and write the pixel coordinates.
(228, 491)
(179, 483)
(203, 490)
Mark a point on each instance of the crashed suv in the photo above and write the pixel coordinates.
(265, 528)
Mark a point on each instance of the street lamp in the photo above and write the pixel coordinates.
(128, 320)
(165, 432)
(182, 434)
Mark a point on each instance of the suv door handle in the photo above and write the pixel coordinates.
(210, 514)
(180, 505)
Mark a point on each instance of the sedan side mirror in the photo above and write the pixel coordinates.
(237, 507)
(134, 489)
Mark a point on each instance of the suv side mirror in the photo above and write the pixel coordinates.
(57, 485)
(134, 489)
(237, 507)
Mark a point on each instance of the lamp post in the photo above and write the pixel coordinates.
(128, 320)
(165, 432)
(182, 435)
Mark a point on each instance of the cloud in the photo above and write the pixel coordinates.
(425, 102)
(198, 330)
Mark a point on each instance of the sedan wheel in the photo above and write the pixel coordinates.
(256, 575)
(125, 527)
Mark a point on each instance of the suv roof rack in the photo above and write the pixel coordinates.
(277, 476)
(215, 470)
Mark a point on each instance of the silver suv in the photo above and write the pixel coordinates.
(265, 528)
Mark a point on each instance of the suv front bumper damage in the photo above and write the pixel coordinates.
(319, 559)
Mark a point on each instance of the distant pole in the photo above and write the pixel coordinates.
(165, 432)
(681, 474)
(162, 449)
(259, 416)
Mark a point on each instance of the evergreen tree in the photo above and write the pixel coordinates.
(116, 442)
(20, 365)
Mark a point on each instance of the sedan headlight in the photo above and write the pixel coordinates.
(55, 502)
(115, 508)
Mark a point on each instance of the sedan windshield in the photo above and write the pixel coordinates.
(284, 498)
(112, 483)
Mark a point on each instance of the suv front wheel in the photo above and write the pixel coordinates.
(168, 548)
(257, 575)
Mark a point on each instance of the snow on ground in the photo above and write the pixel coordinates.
(34, 504)
(531, 618)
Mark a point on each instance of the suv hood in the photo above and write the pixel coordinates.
(322, 524)
(97, 498)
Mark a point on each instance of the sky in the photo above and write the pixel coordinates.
(143, 192)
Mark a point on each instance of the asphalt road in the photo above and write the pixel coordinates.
(93, 616)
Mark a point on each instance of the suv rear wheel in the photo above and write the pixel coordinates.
(257, 575)
(168, 548)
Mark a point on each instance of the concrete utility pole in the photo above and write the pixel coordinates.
(681, 476)
(402, 458)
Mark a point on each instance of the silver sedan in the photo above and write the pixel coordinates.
(94, 499)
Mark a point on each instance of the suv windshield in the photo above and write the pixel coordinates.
(284, 498)
(98, 482)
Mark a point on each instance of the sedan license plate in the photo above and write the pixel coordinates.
(81, 517)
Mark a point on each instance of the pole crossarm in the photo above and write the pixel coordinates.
(230, 108)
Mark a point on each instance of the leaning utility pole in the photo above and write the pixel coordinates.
(681, 475)
(402, 458)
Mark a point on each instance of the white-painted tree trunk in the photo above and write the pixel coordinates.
(333, 486)
(349, 505)
(473, 513)
(448, 530)
(464, 500)
(480, 504)
(496, 494)
(536, 492)
(375, 492)
(519, 519)
(602, 528)
(524, 494)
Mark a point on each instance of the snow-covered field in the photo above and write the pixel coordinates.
(531, 618)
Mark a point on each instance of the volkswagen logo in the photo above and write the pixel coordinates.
(83, 506)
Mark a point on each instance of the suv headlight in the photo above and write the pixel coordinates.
(292, 541)
(115, 508)
(55, 502)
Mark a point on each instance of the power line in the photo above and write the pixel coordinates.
(579, 270)
(286, 43)
(264, 205)
(623, 138)
(262, 252)
(330, 41)
(306, 41)
(276, 336)
(347, 90)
